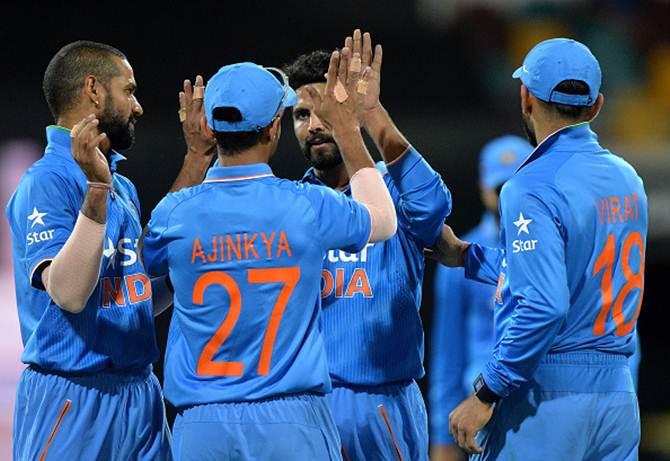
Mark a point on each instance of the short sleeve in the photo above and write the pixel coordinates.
(342, 223)
(43, 212)
(156, 238)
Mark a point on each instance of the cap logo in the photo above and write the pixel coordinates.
(508, 158)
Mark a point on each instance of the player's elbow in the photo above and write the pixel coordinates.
(384, 224)
(71, 305)
(65, 299)
(441, 205)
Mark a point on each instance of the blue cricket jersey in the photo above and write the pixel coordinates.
(244, 252)
(462, 336)
(574, 224)
(371, 299)
(115, 330)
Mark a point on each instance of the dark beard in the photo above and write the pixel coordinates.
(324, 162)
(530, 132)
(121, 133)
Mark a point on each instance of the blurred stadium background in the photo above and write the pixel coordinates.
(446, 81)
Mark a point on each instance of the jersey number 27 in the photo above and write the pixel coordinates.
(289, 276)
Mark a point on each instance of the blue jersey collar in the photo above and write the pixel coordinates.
(571, 138)
(311, 178)
(238, 172)
(59, 138)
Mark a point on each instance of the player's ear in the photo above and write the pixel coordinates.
(93, 92)
(595, 110)
(274, 129)
(526, 100)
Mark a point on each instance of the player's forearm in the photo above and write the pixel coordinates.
(354, 153)
(73, 274)
(161, 294)
(95, 205)
(368, 187)
(483, 264)
(386, 136)
(192, 171)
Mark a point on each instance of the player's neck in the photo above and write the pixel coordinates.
(550, 126)
(335, 178)
(71, 119)
(247, 157)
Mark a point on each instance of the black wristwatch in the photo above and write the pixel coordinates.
(483, 392)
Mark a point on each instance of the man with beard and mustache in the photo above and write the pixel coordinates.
(570, 281)
(371, 299)
(84, 299)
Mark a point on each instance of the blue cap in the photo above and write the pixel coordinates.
(500, 158)
(253, 90)
(552, 61)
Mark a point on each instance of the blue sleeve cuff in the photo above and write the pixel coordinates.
(483, 264)
(493, 380)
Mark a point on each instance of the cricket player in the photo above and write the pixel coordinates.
(371, 298)
(245, 361)
(84, 299)
(570, 281)
(462, 333)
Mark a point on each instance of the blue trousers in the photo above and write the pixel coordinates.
(106, 416)
(578, 406)
(382, 422)
(298, 427)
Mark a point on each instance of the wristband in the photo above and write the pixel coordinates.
(483, 392)
(99, 185)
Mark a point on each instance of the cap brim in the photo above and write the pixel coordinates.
(291, 98)
(517, 73)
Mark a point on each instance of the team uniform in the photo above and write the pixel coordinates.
(464, 335)
(88, 391)
(570, 282)
(245, 362)
(371, 323)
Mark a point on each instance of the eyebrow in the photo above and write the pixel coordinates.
(131, 85)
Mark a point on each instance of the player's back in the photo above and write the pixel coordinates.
(245, 255)
(601, 211)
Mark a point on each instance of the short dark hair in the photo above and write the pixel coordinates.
(66, 71)
(566, 110)
(308, 68)
(233, 142)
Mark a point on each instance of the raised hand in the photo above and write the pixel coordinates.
(87, 154)
(199, 139)
(369, 87)
(337, 106)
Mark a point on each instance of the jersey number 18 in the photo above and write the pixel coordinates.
(606, 262)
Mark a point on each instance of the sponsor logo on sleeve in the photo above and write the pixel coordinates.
(36, 218)
(519, 245)
(34, 237)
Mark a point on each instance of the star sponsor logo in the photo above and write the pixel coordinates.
(522, 224)
(109, 252)
(36, 218)
(125, 250)
(519, 246)
(39, 237)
